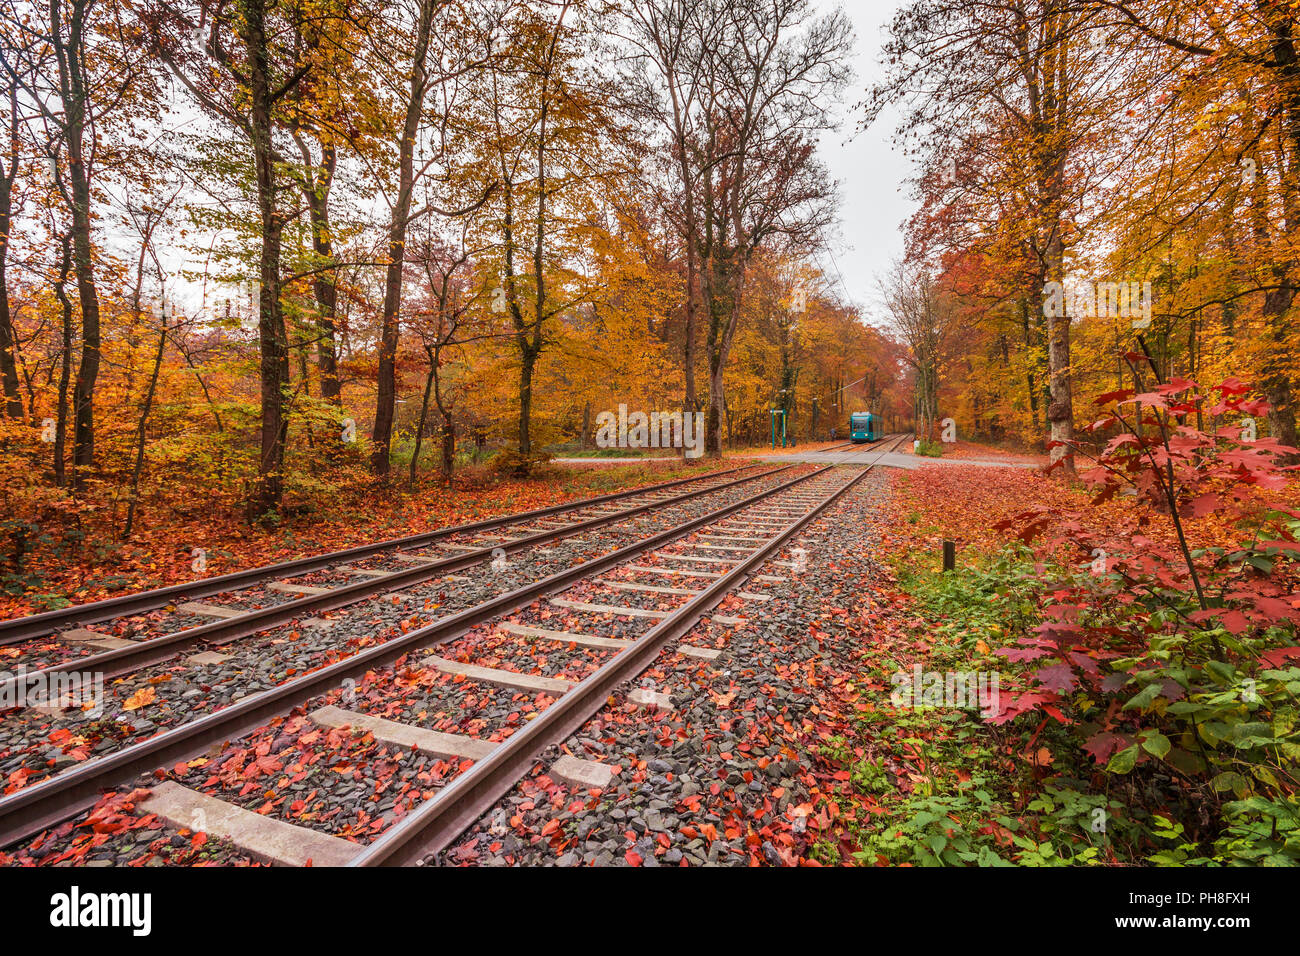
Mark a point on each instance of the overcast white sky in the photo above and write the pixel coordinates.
(871, 173)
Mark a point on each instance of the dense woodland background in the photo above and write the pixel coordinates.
(258, 252)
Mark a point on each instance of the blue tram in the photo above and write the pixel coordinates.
(863, 427)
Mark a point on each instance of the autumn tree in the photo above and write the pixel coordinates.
(1004, 101)
(670, 75)
(1220, 207)
(328, 113)
(918, 307)
(9, 166)
(412, 79)
(552, 142)
(447, 316)
(424, 77)
(749, 84)
(79, 64)
(242, 63)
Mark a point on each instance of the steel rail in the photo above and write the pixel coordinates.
(37, 625)
(432, 826)
(35, 808)
(124, 660)
(848, 446)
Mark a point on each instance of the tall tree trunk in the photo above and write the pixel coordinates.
(272, 338)
(723, 302)
(713, 419)
(8, 338)
(1060, 412)
(447, 430)
(73, 95)
(316, 191)
(533, 343)
(424, 417)
(141, 430)
(529, 334)
(385, 404)
(1277, 375)
(13, 402)
(690, 400)
(522, 340)
(527, 365)
(65, 362)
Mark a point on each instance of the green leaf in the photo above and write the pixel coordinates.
(1123, 761)
(1231, 780)
(1264, 775)
(1253, 728)
(1225, 673)
(1144, 697)
(1156, 744)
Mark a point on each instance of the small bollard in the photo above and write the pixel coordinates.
(949, 555)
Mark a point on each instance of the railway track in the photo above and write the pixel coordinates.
(861, 446)
(755, 529)
(404, 597)
(415, 565)
(18, 629)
